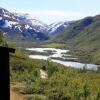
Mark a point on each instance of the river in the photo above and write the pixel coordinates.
(60, 56)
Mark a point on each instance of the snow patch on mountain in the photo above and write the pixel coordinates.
(28, 25)
(32, 21)
(0, 18)
(58, 27)
(9, 23)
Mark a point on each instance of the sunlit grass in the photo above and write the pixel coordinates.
(51, 45)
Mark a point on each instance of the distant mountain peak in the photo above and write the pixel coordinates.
(28, 26)
(58, 27)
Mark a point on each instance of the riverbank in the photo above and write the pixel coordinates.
(60, 56)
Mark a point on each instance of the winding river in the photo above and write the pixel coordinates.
(60, 56)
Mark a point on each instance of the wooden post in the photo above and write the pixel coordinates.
(4, 73)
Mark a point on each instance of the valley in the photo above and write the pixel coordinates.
(60, 80)
(60, 61)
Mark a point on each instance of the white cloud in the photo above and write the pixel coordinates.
(55, 13)
(52, 13)
(49, 16)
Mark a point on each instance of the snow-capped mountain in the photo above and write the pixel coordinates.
(22, 26)
(58, 27)
(26, 27)
(32, 21)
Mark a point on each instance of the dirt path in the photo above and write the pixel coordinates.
(14, 95)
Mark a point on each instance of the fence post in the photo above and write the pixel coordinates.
(5, 73)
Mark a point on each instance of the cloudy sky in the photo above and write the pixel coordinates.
(50, 11)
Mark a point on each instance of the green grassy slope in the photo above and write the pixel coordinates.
(84, 36)
(61, 84)
(2, 39)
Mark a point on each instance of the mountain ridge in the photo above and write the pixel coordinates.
(13, 24)
(83, 36)
(27, 27)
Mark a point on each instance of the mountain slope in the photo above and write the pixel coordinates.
(84, 36)
(58, 27)
(82, 31)
(22, 27)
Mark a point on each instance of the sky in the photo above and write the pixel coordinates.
(50, 11)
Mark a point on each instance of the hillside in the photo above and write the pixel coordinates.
(26, 81)
(62, 83)
(22, 26)
(2, 39)
(83, 36)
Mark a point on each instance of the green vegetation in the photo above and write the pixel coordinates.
(1, 37)
(62, 83)
(83, 38)
(53, 45)
(2, 40)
